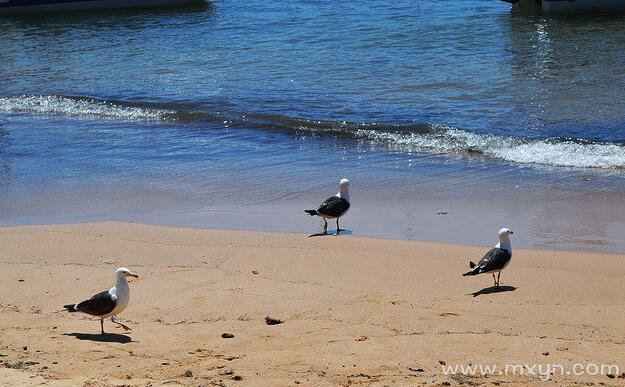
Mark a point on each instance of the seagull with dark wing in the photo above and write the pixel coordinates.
(109, 303)
(496, 259)
(334, 207)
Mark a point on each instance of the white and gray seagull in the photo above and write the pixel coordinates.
(496, 259)
(334, 207)
(108, 303)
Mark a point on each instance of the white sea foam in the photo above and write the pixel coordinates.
(551, 152)
(76, 107)
(440, 140)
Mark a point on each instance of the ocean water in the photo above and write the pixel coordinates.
(451, 119)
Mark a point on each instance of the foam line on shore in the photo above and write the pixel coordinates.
(417, 137)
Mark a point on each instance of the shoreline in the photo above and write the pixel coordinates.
(348, 233)
(355, 310)
(541, 222)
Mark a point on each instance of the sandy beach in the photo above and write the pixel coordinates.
(355, 310)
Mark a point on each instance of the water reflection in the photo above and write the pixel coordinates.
(563, 71)
(132, 18)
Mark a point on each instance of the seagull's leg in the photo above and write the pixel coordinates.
(494, 280)
(102, 325)
(325, 226)
(338, 229)
(120, 324)
(498, 275)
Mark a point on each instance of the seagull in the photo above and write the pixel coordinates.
(496, 259)
(334, 207)
(108, 303)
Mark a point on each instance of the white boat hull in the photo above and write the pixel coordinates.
(6, 7)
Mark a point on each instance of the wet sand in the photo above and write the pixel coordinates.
(355, 310)
(584, 217)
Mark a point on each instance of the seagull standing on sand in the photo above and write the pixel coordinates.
(334, 207)
(109, 303)
(496, 259)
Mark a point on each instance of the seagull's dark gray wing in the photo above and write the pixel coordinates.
(494, 260)
(98, 305)
(334, 207)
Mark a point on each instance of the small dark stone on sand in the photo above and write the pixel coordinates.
(237, 378)
(416, 369)
(446, 384)
(546, 353)
(25, 348)
(227, 335)
(442, 362)
(611, 376)
(273, 321)
(20, 280)
(188, 374)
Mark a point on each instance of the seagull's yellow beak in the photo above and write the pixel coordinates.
(133, 275)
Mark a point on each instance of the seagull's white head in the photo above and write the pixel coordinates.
(123, 273)
(344, 185)
(504, 234)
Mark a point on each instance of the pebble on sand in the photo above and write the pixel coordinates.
(273, 321)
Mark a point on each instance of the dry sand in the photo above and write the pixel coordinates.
(355, 310)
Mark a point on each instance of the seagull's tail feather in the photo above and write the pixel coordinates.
(311, 212)
(70, 308)
(472, 264)
(475, 271)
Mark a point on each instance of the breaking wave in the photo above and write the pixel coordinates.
(557, 152)
(560, 152)
(76, 107)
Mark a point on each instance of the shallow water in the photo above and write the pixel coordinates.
(170, 115)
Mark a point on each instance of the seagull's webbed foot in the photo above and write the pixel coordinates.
(126, 327)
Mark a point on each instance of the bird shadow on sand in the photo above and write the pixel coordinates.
(493, 289)
(331, 233)
(103, 338)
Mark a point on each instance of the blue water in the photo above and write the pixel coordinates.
(121, 114)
